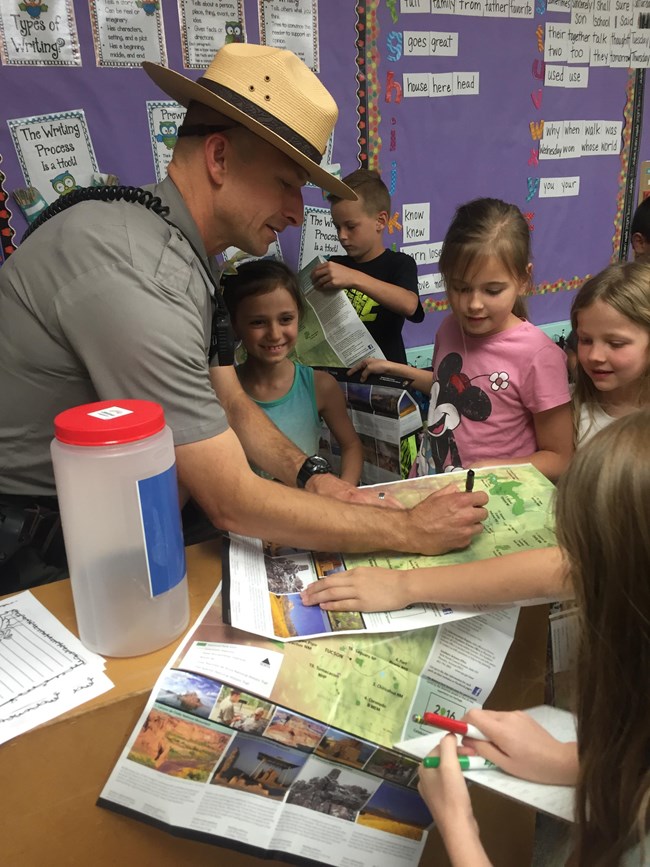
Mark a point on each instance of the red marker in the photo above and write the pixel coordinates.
(450, 725)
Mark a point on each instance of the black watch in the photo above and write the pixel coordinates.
(313, 466)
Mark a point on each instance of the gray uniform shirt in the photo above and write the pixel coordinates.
(104, 301)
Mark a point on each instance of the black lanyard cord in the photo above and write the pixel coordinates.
(222, 339)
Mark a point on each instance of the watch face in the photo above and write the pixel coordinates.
(315, 465)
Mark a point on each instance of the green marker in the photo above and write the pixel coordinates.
(467, 763)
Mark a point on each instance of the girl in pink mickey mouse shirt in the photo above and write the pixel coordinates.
(499, 388)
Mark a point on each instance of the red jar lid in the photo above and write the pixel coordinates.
(109, 422)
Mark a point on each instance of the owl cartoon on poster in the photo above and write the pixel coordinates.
(64, 183)
(32, 7)
(234, 32)
(149, 7)
(168, 133)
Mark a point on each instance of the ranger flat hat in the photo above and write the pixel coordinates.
(272, 93)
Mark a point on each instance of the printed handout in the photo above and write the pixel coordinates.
(287, 748)
(385, 417)
(330, 334)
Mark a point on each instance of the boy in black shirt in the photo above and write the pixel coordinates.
(381, 284)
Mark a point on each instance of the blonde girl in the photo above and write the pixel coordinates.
(603, 515)
(499, 388)
(611, 317)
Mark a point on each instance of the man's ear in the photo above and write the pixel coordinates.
(216, 150)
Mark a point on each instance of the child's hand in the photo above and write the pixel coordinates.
(445, 791)
(370, 366)
(521, 747)
(332, 275)
(362, 589)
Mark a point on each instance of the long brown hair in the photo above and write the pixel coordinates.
(487, 227)
(259, 277)
(625, 286)
(603, 525)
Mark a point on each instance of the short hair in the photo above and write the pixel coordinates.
(259, 277)
(371, 191)
(641, 220)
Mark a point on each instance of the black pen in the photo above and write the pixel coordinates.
(469, 482)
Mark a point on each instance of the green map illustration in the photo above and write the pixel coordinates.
(362, 684)
(520, 516)
(370, 684)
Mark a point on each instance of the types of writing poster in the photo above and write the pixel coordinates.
(165, 116)
(38, 34)
(55, 152)
(291, 24)
(207, 25)
(319, 237)
(126, 32)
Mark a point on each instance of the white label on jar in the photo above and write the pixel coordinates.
(110, 412)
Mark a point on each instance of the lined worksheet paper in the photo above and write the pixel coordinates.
(44, 669)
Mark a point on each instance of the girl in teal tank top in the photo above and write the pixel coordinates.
(265, 305)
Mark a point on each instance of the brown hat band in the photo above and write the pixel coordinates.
(263, 117)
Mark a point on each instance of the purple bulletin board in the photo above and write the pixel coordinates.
(449, 150)
(442, 151)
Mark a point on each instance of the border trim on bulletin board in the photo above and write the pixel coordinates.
(369, 141)
(368, 115)
(633, 117)
(7, 232)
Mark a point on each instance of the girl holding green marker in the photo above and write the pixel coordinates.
(603, 516)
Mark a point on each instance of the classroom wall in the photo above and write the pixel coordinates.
(478, 135)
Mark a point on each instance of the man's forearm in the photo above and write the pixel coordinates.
(235, 499)
(264, 444)
(217, 475)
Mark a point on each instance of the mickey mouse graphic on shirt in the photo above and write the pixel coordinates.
(453, 396)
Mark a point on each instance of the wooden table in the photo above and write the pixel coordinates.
(50, 777)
